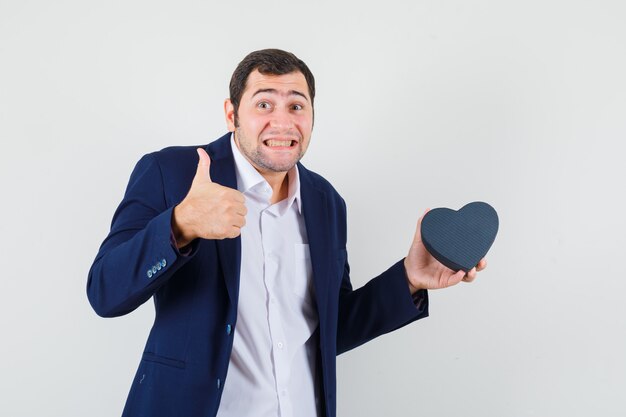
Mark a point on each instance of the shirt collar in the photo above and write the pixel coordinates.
(248, 177)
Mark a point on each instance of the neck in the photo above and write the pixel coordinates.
(279, 181)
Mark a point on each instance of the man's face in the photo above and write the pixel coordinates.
(274, 121)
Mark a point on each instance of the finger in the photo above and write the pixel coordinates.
(470, 276)
(235, 231)
(241, 210)
(238, 196)
(204, 165)
(456, 278)
(239, 222)
(481, 265)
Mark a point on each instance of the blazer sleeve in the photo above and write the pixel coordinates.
(138, 256)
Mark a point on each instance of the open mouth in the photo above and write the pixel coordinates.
(279, 143)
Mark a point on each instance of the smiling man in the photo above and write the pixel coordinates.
(244, 251)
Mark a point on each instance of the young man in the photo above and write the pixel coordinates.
(244, 252)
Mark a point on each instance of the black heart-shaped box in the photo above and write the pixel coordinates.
(460, 239)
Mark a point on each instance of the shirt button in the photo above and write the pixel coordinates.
(219, 383)
(280, 345)
(229, 329)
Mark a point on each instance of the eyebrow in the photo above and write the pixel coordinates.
(275, 91)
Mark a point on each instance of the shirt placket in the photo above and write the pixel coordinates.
(280, 352)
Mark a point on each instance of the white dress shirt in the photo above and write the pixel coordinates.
(272, 370)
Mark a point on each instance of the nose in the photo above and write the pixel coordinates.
(281, 120)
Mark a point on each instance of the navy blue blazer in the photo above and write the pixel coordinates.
(185, 362)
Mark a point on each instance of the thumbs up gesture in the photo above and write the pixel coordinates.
(210, 210)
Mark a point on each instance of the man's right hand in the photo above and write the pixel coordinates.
(210, 210)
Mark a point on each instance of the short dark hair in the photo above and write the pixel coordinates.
(267, 61)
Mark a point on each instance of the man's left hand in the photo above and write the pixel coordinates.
(425, 272)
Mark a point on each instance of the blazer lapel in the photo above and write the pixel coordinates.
(229, 250)
(315, 211)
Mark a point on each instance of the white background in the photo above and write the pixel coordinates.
(420, 104)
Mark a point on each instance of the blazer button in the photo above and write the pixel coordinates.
(158, 266)
(229, 329)
(219, 383)
(149, 273)
(163, 262)
(154, 270)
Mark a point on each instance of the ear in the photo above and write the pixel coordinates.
(229, 113)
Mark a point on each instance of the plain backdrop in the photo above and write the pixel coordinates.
(420, 104)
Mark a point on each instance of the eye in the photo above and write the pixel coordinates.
(263, 105)
(297, 107)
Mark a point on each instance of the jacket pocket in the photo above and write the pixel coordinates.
(303, 272)
(152, 357)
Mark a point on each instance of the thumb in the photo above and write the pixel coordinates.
(204, 165)
(418, 232)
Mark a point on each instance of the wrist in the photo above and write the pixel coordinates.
(182, 232)
(412, 288)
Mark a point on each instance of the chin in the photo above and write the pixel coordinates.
(279, 164)
(280, 167)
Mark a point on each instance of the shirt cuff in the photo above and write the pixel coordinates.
(419, 299)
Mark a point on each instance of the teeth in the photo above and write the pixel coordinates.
(272, 142)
